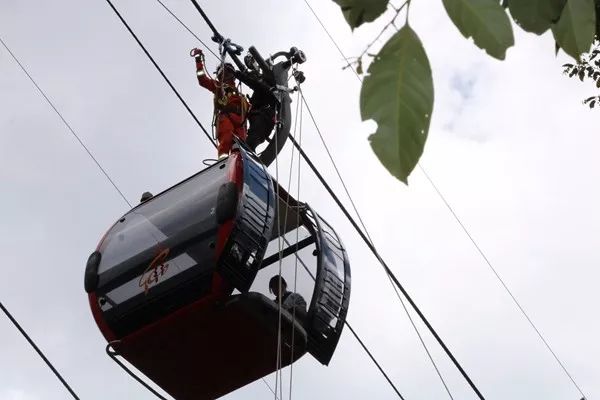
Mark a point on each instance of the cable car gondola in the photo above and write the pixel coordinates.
(161, 282)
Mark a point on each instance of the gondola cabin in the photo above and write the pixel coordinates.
(169, 283)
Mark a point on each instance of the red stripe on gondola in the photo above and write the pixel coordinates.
(235, 174)
(236, 169)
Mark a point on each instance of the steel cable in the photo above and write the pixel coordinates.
(38, 351)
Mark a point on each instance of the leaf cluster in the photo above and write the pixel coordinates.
(402, 107)
(588, 68)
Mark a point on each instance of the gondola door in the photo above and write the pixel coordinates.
(329, 304)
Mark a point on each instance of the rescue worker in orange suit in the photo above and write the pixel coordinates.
(230, 105)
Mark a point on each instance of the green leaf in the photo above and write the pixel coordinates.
(358, 12)
(575, 29)
(536, 16)
(485, 21)
(398, 94)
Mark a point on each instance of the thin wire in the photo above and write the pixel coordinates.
(278, 375)
(370, 244)
(489, 264)
(270, 388)
(298, 117)
(331, 38)
(38, 351)
(297, 231)
(360, 341)
(118, 191)
(39, 89)
(465, 229)
(358, 338)
(285, 220)
(362, 344)
(285, 213)
(189, 110)
(387, 270)
(170, 85)
(188, 29)
(371, 247)
(114, 356)
(410, 318)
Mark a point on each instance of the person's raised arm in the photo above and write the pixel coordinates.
(203, 79)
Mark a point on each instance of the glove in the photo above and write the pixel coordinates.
(196, 53)
(199, 55)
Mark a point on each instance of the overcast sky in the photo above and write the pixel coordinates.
(511, 147)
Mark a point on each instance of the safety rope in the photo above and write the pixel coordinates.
(298, 118)
(220, 89)
(278, 375)
(285, 220)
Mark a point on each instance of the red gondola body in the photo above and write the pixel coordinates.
(160, 283)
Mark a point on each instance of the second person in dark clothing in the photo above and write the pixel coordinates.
(290, 301)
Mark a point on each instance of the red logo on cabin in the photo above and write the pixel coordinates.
(155, 271)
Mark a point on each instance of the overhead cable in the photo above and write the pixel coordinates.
(464, 228)
(298, 117)
(38, 351)
(188, 29)
(113, 354)
(502, 283)
(217, 35)
(358, 339)
(189, 110)
(331, 37)
(75, 135)
(388, 271)
(364, 227)
(354, 333)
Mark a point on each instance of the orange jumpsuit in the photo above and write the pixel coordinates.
(230, 110)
